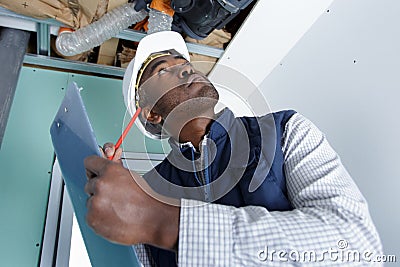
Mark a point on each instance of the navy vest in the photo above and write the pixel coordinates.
(245, 167)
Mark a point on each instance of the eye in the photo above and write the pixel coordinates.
(162, 71)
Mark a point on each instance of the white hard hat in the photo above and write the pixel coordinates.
(153, 43)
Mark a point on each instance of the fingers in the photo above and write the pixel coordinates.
(109, 149)
(94, 166)
(118, 155)
(111, 153)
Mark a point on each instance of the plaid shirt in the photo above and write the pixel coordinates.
(330, 224)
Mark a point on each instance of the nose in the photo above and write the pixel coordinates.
(185, 70)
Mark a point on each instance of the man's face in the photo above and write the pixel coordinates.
(171, 84)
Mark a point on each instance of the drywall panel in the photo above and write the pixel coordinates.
(26, 158)
(269, 32)
(343, 74)
(26, 155)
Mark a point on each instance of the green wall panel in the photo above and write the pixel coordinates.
(25, 162)
(26, 155)
(104, 104)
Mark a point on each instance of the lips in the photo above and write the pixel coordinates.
(195, 78)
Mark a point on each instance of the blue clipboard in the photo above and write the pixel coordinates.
(73, 140)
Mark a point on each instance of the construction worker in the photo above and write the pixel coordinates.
(199, 207)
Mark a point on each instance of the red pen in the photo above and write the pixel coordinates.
(125, 132)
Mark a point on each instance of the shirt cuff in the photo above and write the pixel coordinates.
(205, 234)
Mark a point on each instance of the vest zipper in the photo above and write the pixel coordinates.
(202, 176)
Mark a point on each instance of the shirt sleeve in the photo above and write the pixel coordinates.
(330, 224)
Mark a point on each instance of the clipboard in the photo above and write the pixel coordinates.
(73, 140)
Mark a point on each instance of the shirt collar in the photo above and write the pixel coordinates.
(218, 129)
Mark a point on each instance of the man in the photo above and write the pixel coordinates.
(233, 191)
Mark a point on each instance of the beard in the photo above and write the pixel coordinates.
(189, 103)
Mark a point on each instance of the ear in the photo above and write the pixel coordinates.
(151, 116)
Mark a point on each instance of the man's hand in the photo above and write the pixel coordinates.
(120, 211)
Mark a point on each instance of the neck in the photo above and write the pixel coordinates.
(194, 131)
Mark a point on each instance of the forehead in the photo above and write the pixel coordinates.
(169, 60)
